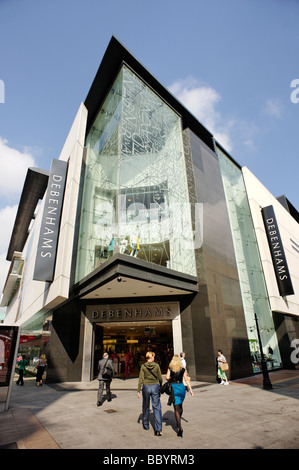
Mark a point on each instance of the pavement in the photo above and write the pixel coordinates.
(240, 416)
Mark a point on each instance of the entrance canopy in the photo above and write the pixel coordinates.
(124, 276)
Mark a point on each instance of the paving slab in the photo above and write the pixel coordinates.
(241, 415)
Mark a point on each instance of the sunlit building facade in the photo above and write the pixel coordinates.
(149, 236)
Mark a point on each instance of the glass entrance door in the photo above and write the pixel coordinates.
(127, 344)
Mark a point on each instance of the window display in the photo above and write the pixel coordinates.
(135, 193)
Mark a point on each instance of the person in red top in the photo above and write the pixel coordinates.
(129, 360)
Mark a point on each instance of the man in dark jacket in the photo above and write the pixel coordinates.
(105, 364)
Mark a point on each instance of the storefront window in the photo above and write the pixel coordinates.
(35, 341)
(8, 344)
(135, 196)
(127, 344)
(252, 282)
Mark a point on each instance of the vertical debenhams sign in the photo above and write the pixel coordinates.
(277, 252)
(49, 232)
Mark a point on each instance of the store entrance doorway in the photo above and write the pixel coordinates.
(128, 342)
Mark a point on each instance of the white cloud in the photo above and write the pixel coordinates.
(273, 107)
(7, 219)
(202, 101)
(14, 165)
(250, 145)
(4, 267)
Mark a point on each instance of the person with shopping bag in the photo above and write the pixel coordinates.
(222, 367)
(175, 375)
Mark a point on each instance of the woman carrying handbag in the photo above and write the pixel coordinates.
(222, 367)
(175, 375)
(41, 367)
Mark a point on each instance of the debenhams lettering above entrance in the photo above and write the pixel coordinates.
(140, 312)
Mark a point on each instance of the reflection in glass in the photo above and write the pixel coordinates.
(252, 282)
(8, 345)
(135, 195)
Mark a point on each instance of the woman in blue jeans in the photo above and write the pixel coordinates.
(150, 379)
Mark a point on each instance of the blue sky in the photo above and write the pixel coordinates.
(231, 62)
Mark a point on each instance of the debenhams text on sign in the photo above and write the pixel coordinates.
(130, 313)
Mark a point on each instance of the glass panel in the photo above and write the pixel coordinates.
(135, 195)
(252, 282)
(8, 345)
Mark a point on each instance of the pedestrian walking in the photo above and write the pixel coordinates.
(105, 376)
(22, 369)
(184, 364)
(150, 380)
(222, 366)
(41, 367)
(115, 361)
(183, 359)
(175, 375)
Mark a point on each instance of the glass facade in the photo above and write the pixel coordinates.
(135, 194)
(251, 277)
(35, 340)
(216, 319)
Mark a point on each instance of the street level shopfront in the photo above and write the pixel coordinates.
(128, 332)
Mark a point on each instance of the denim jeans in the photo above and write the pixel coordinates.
(151, 392)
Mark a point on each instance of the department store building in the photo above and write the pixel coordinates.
(145, 234)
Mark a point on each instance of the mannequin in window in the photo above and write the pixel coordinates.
(123, 245)
(135, 247)
(129, 361)
(111, 246)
